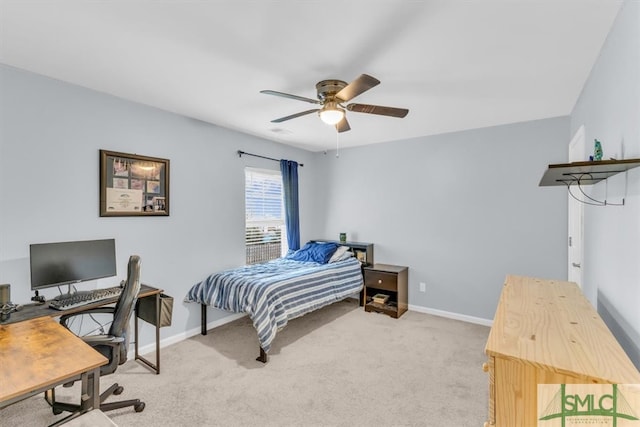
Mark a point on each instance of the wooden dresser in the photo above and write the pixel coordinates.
(546, 332)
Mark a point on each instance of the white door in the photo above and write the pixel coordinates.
(576, 213)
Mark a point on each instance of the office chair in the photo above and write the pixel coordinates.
(113, 346)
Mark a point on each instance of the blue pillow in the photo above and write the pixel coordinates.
(315, 252)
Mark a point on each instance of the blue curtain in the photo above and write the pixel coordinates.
(289, 170)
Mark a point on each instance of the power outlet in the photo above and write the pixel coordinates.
(423, 287)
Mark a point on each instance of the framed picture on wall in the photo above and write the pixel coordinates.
(133, 185)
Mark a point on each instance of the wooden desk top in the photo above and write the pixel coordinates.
(40, 352)
(550, 323)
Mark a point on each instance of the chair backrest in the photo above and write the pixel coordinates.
(127, 301)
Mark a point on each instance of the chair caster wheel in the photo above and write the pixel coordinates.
(57, 411)
(118, 390)
(139, 407)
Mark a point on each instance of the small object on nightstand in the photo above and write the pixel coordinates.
(380, 298)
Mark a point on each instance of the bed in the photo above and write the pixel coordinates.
(277, 291)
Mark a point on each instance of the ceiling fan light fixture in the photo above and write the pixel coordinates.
(331, 114)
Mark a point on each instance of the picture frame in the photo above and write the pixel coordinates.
(133, 185)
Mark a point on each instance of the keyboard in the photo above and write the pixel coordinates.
(80, 299)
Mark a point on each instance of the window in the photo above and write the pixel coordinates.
(265, 234)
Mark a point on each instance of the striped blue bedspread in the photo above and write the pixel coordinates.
(274, 292)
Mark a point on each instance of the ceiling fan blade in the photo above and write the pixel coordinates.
(293, 116)
(287, 95)
(343, 125)
(356, 87)
(378, 109)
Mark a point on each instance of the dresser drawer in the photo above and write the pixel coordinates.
(380, 280)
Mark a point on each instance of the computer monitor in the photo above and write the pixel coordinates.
(63, 263)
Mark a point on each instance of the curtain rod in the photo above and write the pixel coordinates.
(240, 153)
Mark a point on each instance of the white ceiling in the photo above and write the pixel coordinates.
(455, 64)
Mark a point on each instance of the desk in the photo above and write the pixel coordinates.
(38, 354)
(32, 311)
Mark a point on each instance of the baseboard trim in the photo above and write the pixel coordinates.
(173, 339)
(451, 315)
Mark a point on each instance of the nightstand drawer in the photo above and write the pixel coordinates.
(379, 280)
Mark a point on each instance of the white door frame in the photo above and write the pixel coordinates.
(575, 210)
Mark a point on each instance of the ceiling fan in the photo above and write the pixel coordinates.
(332, 94)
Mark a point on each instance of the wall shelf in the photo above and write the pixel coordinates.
(585, 173)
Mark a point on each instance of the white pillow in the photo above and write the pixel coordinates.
(338, 253)
(345, 255)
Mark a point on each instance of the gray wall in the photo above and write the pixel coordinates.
(609, 109)
(50, 136)
(461, 210)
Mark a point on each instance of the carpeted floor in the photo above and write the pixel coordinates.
(338, 366)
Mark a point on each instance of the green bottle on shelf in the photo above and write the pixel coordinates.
(597, 150)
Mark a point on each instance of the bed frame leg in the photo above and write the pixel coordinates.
(203, 319)
(263, 356)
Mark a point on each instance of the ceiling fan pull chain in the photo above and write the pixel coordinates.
(337, 146)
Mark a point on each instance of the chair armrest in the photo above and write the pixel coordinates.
(96, 310)
(102, 339)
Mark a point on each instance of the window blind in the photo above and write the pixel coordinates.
(264, 210)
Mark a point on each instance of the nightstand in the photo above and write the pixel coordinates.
(388, 280)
